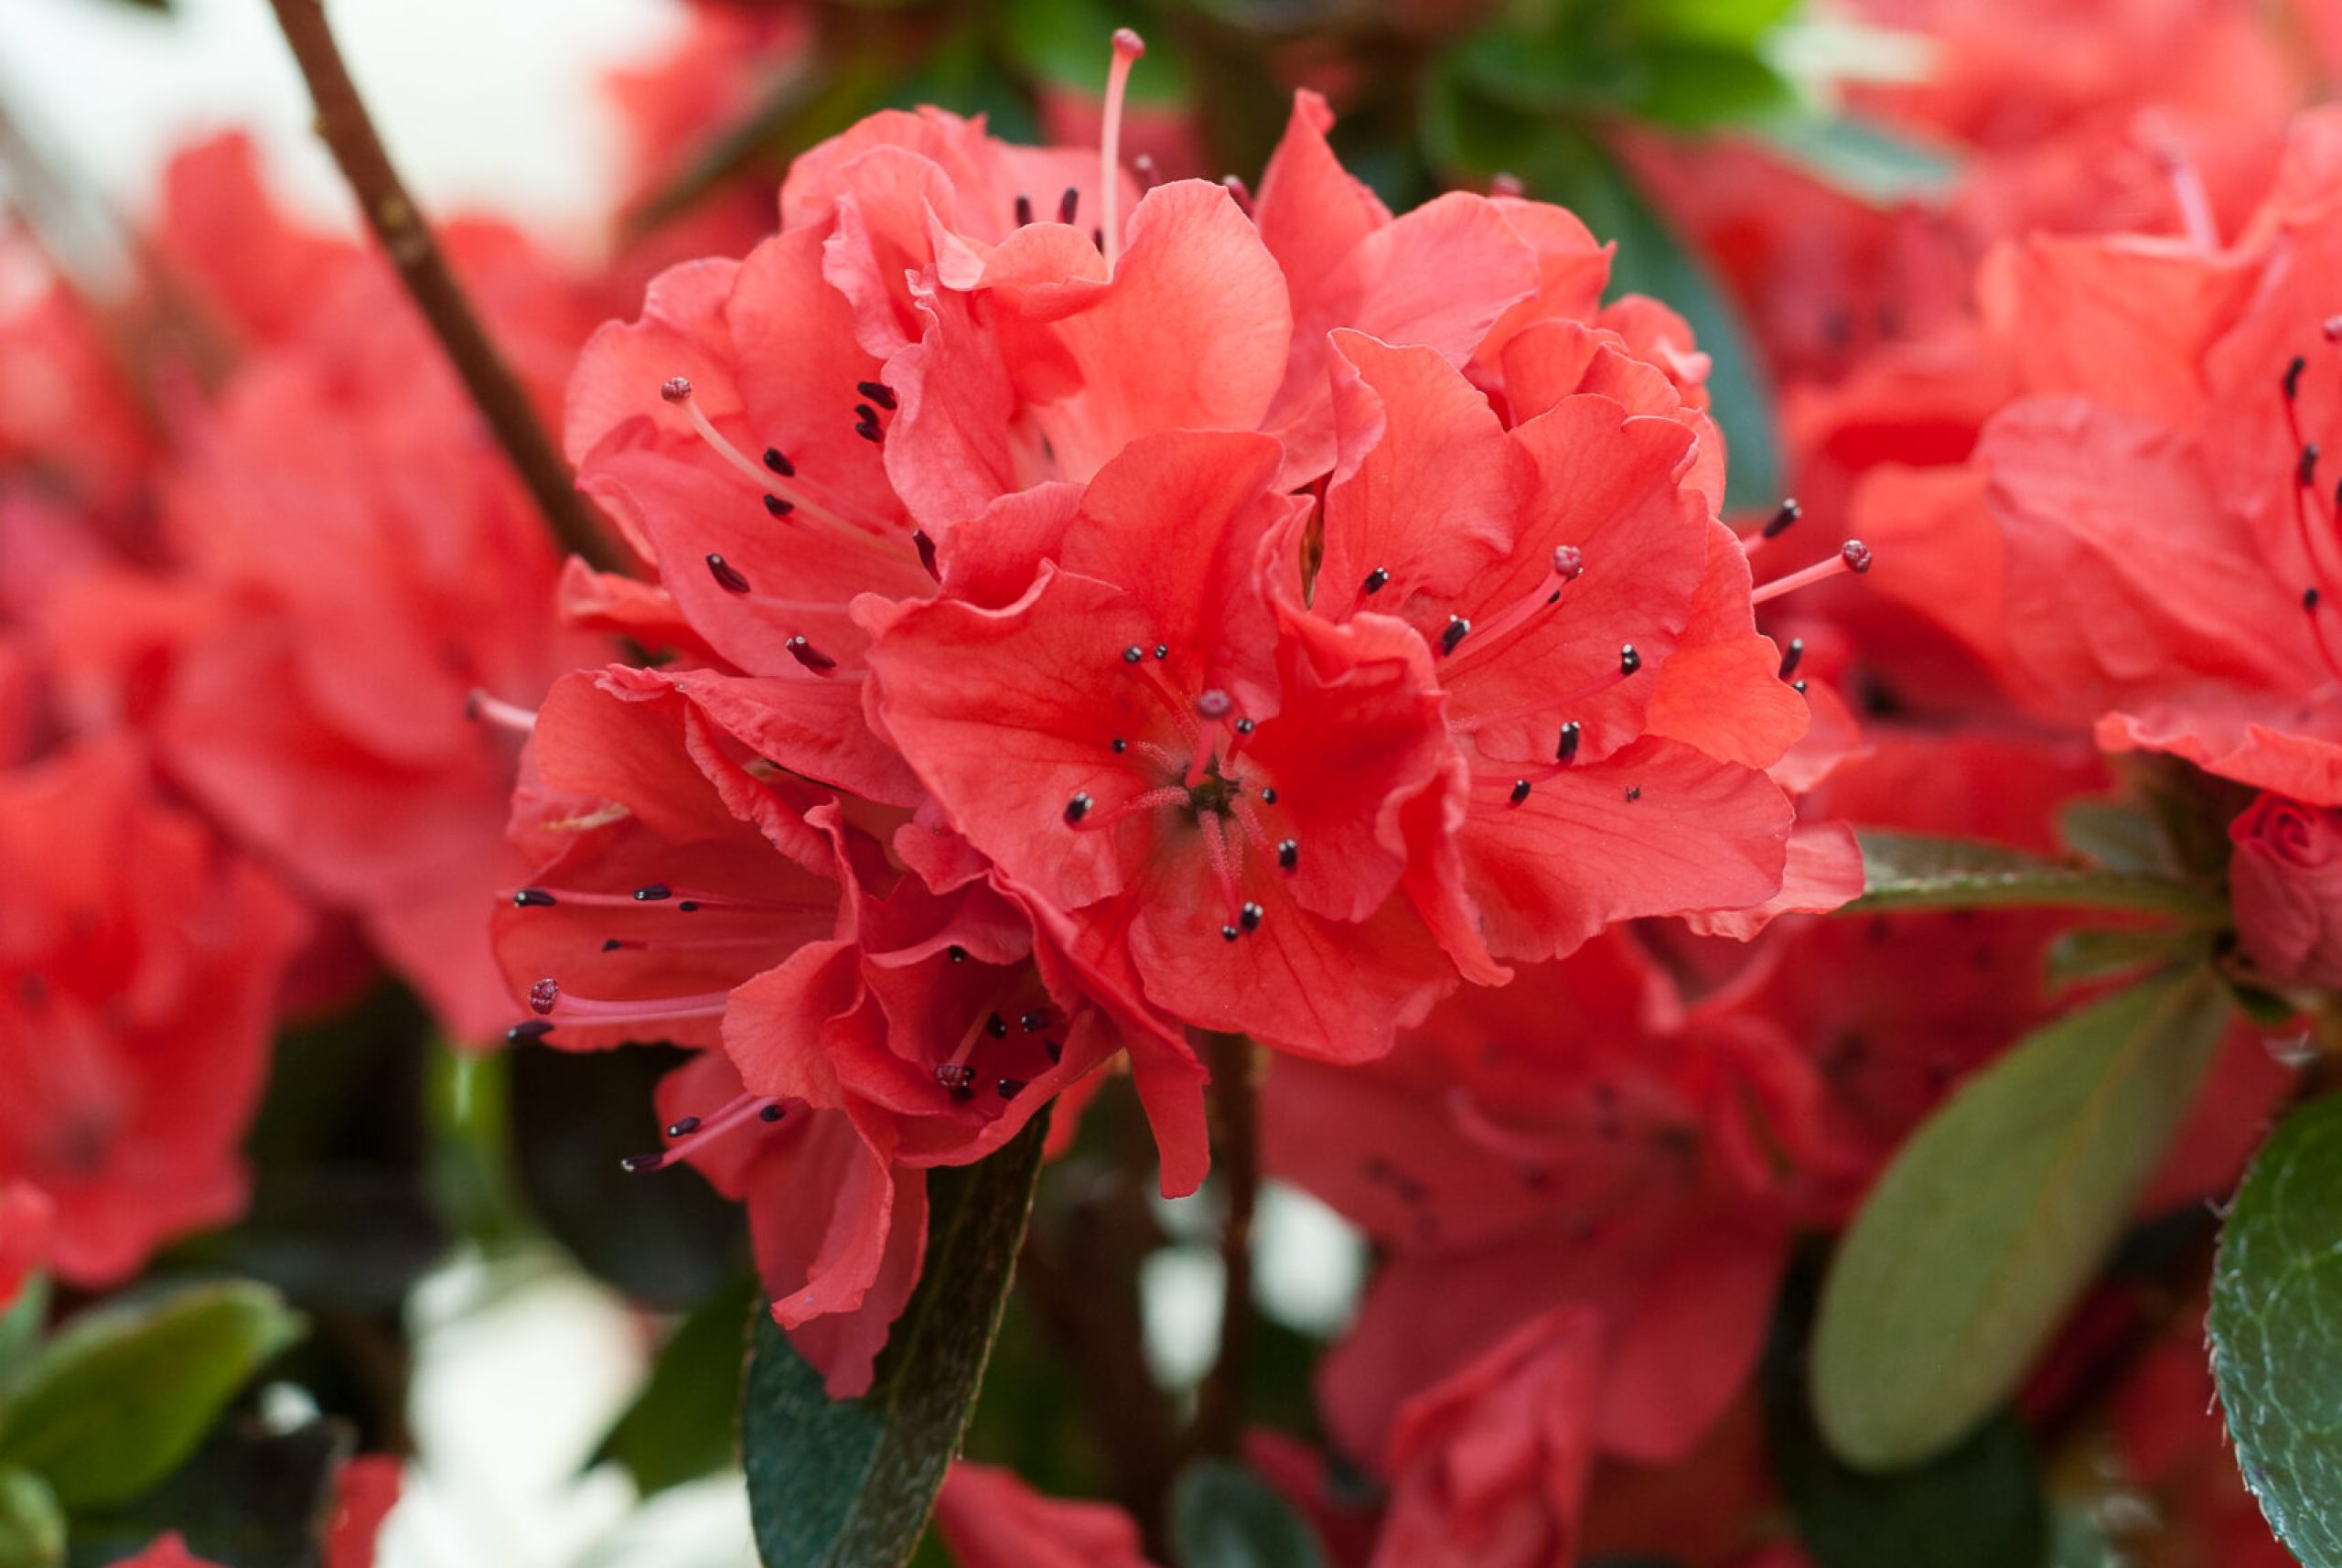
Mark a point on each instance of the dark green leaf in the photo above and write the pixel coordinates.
(1223, 1515)
(2276, 1296)
(850, 1483)
(1864, 160)
(123, 1395)
(1913, 871)
(1995, 1217)
(1979, 1506)
(32, 1527)
(248, 1498)
(2078, 1541)
(684, 1424)
(663, 1238)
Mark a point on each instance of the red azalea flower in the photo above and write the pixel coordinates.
(2189, 455)
(138, 966)
(364, 1494)
(1212, 793)
(1577, 1137)
(992, 1519)
(319, 677)
(1488, 1469)
(2285, 878)
(1558, 568)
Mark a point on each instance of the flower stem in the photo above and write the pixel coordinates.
(349, 133)
(1236, 1158)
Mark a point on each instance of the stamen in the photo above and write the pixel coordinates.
(727, 577)
(1009, 1087)
(2188, 194)
(926, 548)
(684, 900)
(1790, 656)
(1520, 790)
(777, 507)
(1076, 809)
(1782, 521)
(1630, 661)
(1503, 184)
(1128, 47)
(692, 1130)
(538, 898)
(568, 1005)
(1223, 869)
(1568, 566)
(1149, 177)
(1288, 854)
(1456, 630)
(1146, 800)
(1375, 581)
(1024, 209)
(813, 658)
(1068, 204)
(1565, 749)
(2292, 377)
(527, 1033)
(878, 392)
(1853, 556)
(480, 706)
(677, 390)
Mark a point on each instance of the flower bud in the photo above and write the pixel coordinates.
(2286, 879)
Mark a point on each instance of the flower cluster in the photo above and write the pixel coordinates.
(1101, 613)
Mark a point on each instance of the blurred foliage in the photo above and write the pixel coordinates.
(663, 1238)
(684, 1422)
(251, 1498)
(1224, 1516)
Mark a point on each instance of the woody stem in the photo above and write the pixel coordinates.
(348, 131)
(1236, 1158)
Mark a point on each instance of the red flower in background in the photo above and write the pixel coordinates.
(2285, 879)
(138, 969)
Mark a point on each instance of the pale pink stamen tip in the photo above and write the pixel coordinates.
(1128, 44)
(1569, 561)
(676, 389)
(1856, 555)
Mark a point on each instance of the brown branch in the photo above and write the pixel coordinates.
(349, 133)
(1236, 1154)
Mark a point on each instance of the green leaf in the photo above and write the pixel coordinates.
(2118, 836)
(1223, 1515)
(1995, 1216)
(1864, 160)
(2079, 1540)
(1738, 21)
(32, 1527)
(2276, 1294)
(1979, 1506)
(1913, 871)
(2079, 957)
(1695, 85)
(850, 1483)
(683, 1423)
(20, 1328)
(120, 1398)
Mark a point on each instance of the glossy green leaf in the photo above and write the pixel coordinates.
(1978, 1506)
(1995, 1216)
(32, 1527)
(850, 1483)
(684, 1424)
(1913, 871)
(1864, 160)
(1223, 1515)
(120, 1398)
(2277, 1297)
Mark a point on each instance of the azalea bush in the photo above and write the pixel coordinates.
(1108, 777)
